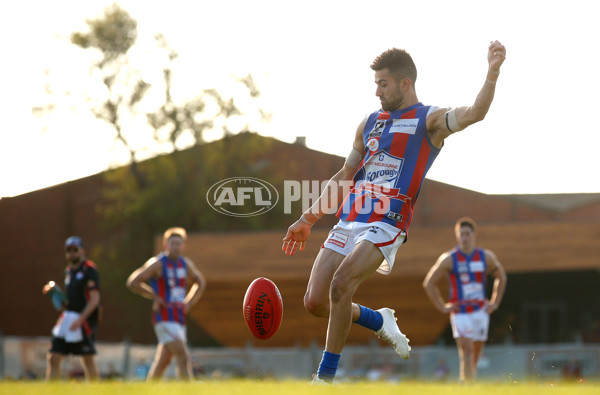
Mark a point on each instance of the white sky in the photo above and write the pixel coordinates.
(311, 61)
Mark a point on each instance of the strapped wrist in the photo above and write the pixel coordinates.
(315, 217)
(303, 219)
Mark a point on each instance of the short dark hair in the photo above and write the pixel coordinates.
(398, 62)
(465, 221)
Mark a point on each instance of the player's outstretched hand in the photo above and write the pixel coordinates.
(496, 55)
(295, 237)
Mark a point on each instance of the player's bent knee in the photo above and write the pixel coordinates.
(316, 307)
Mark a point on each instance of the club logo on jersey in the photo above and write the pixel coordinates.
(383, 169)
(373, 144)
(407, 126)
(242, 196)
(377, 129)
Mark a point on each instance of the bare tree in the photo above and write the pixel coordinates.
(113, 35)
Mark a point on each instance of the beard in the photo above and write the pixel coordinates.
(386, 107)
(392, 105)
(75, 261)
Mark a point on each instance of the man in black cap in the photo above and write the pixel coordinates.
(76, 327)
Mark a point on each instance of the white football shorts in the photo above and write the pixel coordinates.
(472, 326)
(346, 234)
(167, 332)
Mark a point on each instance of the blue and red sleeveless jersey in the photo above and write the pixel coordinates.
(468, 280)
(398, 154)
(171, 286)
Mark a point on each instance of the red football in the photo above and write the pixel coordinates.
(263, 308)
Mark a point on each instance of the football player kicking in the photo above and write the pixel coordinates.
(392, 151)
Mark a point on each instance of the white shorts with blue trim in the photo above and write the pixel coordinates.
(346, 234)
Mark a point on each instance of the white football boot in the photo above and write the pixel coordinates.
(391, 333)
(317, 381)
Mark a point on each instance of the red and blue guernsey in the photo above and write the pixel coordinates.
(398, 154)
(468, 279)
(171, 286)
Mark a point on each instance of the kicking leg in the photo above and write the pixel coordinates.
(354, 269)
(316, 299)
(361, 263)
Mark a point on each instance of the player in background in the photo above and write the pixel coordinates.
(75, 329)
(392, 150)
(466, 268)
(165, 279)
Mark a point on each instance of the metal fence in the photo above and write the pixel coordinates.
(25, 358)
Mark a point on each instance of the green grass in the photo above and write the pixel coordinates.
(248, 387)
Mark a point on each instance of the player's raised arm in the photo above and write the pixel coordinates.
(443, 123)
(331, 197)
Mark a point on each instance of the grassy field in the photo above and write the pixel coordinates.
(247, 387)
